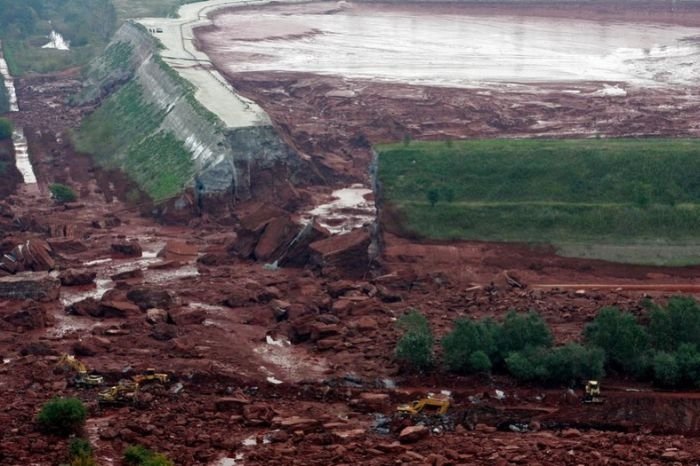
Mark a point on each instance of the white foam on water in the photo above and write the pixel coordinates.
(56, 41)
(9, 83)
(24, 165)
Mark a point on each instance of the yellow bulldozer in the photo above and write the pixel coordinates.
(592, 392)
(431, 405)
(83, 377)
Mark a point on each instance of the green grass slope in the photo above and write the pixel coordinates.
(632, 200)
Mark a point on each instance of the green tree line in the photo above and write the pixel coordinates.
(663, 347)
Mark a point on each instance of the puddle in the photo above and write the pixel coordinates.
(9, 83)
(57, 42)
(347, 211)
(22, 157)
(226, 461)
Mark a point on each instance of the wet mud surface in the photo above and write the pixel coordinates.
(294, 366)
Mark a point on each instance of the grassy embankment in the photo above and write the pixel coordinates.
(148, 8)
(124, 133)
(628, 200)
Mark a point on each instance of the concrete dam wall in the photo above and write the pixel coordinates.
(149, 123)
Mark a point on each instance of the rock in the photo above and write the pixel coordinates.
(155, 315)
(258, 414)
(72, 277)
(130, 274)
(280, 309)
(570, 433)
(85, 307)
(252, 228)
(349, 253)
(189, 317)
(33, 254)
(231, 403)
(178, 251)
(83, 348)
(412, 434)
(373, 401)
(240, 298)
(36, 286)
(365, 323)
(146, 297)
(67, 245)
(127, 248)
(29, 318)
(117, 309)
(164, 332)
(298, 253)
(278, 233)
(38, 348)
(295, 423)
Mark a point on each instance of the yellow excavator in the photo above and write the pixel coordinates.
(126, 392)
(150, 375)
(83, 377)
(431, 404)
(592, 392)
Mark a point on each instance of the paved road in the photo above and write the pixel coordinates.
(213, 91)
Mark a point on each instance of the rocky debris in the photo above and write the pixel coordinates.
(106, 308)
(412, 434)
(178, 251)
(73, 277)
(33, 254)
(298, 252)
(163, 331)
(149, 297)
(155, 316)
(275, 238)
(85, 307)
(125, 248)
(67, 245)
(348, 253)
(35, 286)
(131, 274)
(31, 316)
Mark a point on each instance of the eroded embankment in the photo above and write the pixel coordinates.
(148, 122)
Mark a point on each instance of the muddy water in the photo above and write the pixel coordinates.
(22, 161)
(349, 208)
(395, 43)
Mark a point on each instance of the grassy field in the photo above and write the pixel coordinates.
(634, 200)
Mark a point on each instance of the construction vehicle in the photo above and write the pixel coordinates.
(592, 392)
(150, 375)
(83, 377)
(431, 405)
(126, 392)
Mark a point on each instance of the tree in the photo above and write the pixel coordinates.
(62, 193)
(677, 323)
(666, 370)
(415, 347)
(520, 331)
(62, 416)
(5, 129)
(433, 197)
(479, 362)
(466, 338)
(624, 341)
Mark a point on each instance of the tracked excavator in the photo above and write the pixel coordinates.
(126, 392)
(83, 377)
(592, 393)
(431, 404)
(150, 375)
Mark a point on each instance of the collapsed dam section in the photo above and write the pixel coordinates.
(164, 116)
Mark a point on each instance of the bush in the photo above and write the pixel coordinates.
(466, 338)
(5, 129)
(525, 366)
(415, 347)
(138, 455)
(79, 446)
(520, 331)
(479, 362)
(677, 323)
(62, 193)
(624, 341)
(567, 364)
(62, 416)
(666, 370)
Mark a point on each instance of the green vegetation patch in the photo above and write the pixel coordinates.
(148, 8)
(4, 97)
(123, 133)
(569, 193)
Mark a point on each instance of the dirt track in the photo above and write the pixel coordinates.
(225, 341)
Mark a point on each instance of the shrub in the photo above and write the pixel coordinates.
(688, 359)
(433, 197)
(5, 129)
(79, 446)
(479, 362)
(525, 366)
(520, 331)
(466, 338)
(624, 341)
(62, 193)
(677, 323)
(415, 347)
(666, 370)
(138, 455)
(567, 364)
(62, 416)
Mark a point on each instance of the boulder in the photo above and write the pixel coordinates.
(28, 318)
(34, 254)
(178, 251)
(127, 248)
(275, 239)
(147, 297)
(67, 245)
(295, 423)
(131, 274)
(163, 331)
(231, 403)
(72, 277)
(412, 434)
(155, 315)
(116, 309)
(348, 253)
(298, 252)
(84, 307)
(36, 286)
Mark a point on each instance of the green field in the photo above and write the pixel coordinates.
(630, 200)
